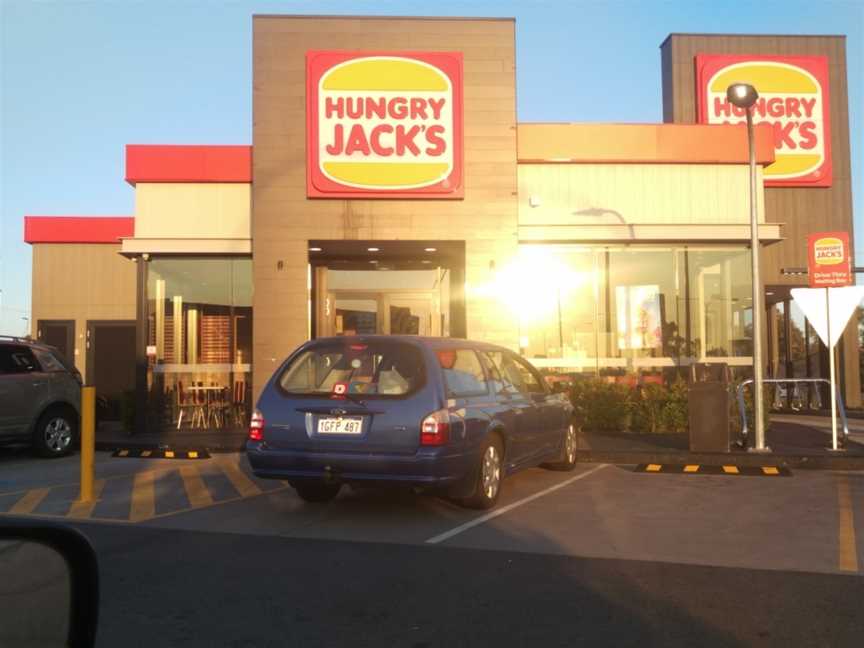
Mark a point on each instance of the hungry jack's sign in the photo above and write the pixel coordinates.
(793, 98)
(384, 124)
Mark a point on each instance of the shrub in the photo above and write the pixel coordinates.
(647, 403)
(600, 405)
(675, 415)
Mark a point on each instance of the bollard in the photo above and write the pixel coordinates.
(88, 442)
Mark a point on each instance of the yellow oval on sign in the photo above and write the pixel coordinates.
(385, 122)
(384, 73)
(766, 77)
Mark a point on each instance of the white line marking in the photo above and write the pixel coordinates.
(505, 509)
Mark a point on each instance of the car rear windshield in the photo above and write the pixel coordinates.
(376, 369)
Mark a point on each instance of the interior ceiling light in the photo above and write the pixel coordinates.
(373, 249)
(430, 249)
(314, 249)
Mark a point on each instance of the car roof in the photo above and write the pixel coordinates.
(417, 340)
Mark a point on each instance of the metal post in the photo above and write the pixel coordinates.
(831, 371)
(758, 307)
(88, 442)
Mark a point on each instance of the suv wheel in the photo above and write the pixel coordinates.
(489, 476)
(316, 492)
(55, 433)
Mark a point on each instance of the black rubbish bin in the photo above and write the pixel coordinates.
(708, 407)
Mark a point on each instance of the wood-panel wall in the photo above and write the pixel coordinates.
(283, 219)
(81, 282)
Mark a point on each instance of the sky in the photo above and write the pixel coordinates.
(79, 80)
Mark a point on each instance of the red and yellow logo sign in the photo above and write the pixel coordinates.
(384, 124)
(828, 251)
(829, 260)
(793, 98)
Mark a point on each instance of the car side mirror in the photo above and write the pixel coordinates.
(49, 586)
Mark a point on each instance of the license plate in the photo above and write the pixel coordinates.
(340, 425)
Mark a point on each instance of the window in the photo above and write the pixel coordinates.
(17, 360)
(48, 361)
(199, 334)
(511, 374)
(373, 369)
(463, 373)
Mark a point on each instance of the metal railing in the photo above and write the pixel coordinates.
(743, 411)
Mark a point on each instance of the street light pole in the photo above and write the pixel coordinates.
(744, 96)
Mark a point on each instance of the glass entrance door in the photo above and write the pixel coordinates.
(384, 302)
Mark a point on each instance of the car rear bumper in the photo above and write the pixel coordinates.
(430, 467)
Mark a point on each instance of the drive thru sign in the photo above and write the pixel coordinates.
(828, 260)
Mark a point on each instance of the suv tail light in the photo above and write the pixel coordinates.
(256, 426)
(435, 428)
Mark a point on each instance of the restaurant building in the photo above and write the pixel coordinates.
(390, 188)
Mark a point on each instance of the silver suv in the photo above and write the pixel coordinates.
(40, 397)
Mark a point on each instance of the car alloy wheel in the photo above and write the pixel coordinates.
(491, 472)
(57, 434)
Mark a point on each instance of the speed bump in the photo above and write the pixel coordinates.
(160, 453)
(702, 469)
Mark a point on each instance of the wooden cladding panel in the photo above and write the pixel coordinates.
(801, 210)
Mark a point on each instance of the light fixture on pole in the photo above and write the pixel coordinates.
(744, 95)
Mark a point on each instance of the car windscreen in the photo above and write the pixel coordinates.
(374, 369)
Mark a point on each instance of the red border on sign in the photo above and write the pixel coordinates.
(319, 186)
(709, 64)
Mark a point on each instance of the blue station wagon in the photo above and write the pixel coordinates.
(441, 414)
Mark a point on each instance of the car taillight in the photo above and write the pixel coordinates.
(256, 426)
(435, 428)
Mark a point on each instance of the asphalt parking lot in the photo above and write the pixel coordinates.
(806, 522)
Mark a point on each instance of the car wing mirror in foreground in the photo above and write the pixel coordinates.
(49, 586)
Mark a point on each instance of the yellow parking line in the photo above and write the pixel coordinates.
(29, 502)
(653, 468)
(847, 555)
(143, 504)
(770, 470)
(730, 470)
(241, 482)
(81, 509)
(196, 491)
(691, 468)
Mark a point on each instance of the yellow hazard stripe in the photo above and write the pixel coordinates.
(240, 481)
(81, 509)
(29, 502)
(196, 490)
(143, 504)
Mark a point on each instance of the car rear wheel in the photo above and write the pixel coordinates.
(55, 433)
(568, 451)
(489, 476)
(317, 492)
